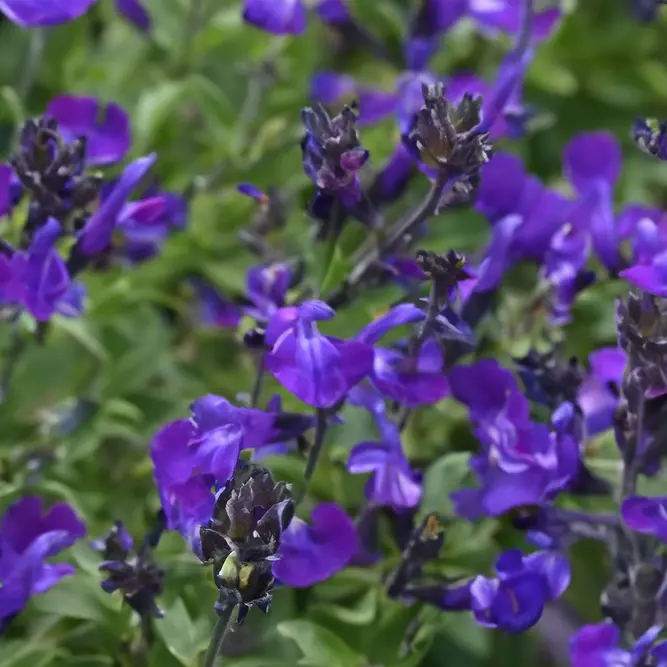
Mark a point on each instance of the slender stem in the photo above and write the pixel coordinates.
(31, 64)
(369, 255)
(17, 347)
(192, 26)
(218, 636)
(321, 426)
(257, 384)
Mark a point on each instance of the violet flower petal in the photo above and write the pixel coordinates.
(312, 553)
(105, 127)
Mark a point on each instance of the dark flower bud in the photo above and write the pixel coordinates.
(444, 135)
(255, 339)
(549, 381)
(424, 546)
(52, 172)
(641, 323)
(651, 136)
(136, 575)
(250, 514)
(446, 271)
(243, 537)
(244, 585)
(332, 153)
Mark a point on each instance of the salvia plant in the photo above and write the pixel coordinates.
(348, 312)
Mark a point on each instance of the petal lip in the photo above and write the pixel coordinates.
(135, 13)
(97, 233)
(36, 13)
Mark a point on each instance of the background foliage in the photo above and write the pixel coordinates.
(220, 103)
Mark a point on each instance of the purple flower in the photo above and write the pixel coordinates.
(521, 463)
(497, 406)
(281, 17)
(38, 278)
(525, 212)
(135, 13)
(598, 646)
(35, 13)
(317, 369)
(411, 382)
(105, 127)
(392, 483)
(646, 227)
(505, 16)
(431, 19)
(213, 308)
(145, 224)
(312, 553)
(27, 538)
(190, 456)
(97, 234)
(332, 11)
(592, 163)
(514, 600)
(595, 397)
(266, 287)
(646, 515)
(332, 155)
(564, 271)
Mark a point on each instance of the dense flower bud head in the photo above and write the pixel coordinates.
(250, 514)
(446, 271)
(136, 575)
(243, 537)
(641, 323)
(332, 153)
(444, 135)
(52, 172)
(28, 537)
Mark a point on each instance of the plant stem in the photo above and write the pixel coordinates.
(17, 347)
(218, 636)
(370, 254)
(257, 384)
(33, 58)
(315, 451)
(194, 21)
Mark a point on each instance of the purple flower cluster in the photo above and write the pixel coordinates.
(535, 418)
(51, 172)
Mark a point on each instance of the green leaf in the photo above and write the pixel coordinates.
(320, 646)
(361, 613)
(81, 597)
(447, 474)
(179, 633)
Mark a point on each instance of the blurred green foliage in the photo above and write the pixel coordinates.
(220, 102)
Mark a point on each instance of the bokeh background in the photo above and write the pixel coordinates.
(220, 103)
